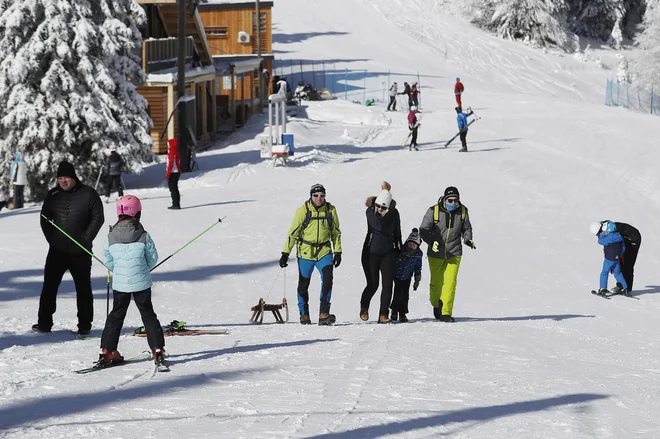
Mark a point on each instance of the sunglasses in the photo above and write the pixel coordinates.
(452, 200)
(382, 207)
(318, 195)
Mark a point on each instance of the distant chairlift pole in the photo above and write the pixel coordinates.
(181, 89)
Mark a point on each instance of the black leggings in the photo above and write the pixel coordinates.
(380, 265)
(115, 320)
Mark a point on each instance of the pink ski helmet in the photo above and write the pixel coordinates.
(129, 205)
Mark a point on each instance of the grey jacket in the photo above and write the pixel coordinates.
(393, 90)
(444, 237)
(114, 164)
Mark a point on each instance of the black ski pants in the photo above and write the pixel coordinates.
(628, 262)
(464, 139)
(115, 320)
(392, 104)
(380, 265)
(413, 141)
(401, 296)
(173, 184)
(112, 180)
(18, 196)
(80, 267)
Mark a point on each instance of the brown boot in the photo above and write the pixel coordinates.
(383, 319)
(364, 314)
(305, 320)
(326, 319)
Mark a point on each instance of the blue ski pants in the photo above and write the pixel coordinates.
(615, 268)
(305, 270)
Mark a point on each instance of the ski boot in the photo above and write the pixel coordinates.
(446, 318)
(159, 360)
(603, 292)
(626, 292)
(326, 319)
(107, 358)
(305, 320)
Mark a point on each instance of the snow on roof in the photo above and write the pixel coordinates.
(169, 76)
(218, 4)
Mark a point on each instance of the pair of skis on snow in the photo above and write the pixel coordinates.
(608, 294)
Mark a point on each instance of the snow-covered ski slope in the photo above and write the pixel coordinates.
(533, 353)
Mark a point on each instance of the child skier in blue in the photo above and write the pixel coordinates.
(130, 253)
(408, 263)
(613, 247)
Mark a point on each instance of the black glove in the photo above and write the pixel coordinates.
(284, 260)
(470, 244)
(416, 283)
(337, 259)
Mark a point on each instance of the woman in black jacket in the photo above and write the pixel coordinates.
(383, 243)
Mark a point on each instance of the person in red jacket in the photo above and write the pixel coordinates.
(173, 172)
(458, 91)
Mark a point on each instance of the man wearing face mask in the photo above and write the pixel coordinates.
(443, 227)
(315, 232)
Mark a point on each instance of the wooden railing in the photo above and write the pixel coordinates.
(162, 53)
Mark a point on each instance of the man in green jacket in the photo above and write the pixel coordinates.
(315, 231)
(443, 227)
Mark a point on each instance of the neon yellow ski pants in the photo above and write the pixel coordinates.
(444, 273)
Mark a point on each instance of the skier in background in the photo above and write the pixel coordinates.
(414, 96)
(613, 249)
(173, 172)
(461, 118)
(413, 126)
(113, 169)
(18, 179)
(632, 240)
(393, 92)
(458, 91)
(406, 91)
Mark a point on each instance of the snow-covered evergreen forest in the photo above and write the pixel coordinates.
(560, 24)
(68, 80)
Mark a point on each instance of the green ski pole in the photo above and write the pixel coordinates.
(189, 242)
(76, 242)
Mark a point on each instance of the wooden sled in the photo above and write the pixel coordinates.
(260, 309)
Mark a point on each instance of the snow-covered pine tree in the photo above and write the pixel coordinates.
(539, 23)
(68, 76)
(594, 18)
(647, 67)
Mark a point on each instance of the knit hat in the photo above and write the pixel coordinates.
(318, 187)
(451, 191)
(414, 237)
(66, 170)
(384, 198)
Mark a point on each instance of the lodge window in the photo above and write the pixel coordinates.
(217, 32)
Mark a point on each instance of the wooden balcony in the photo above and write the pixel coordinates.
(162, 53)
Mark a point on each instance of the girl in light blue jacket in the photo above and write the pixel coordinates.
(130, 253)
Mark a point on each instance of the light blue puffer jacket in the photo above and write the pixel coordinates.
(130, 253)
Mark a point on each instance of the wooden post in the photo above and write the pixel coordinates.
(204, 115)
(170, 108)
(232, 70)
(144, 57)
(214, 111)
(243, 112)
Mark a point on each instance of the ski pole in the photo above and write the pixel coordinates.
(107, 304)
(75, 242)
(189, 242)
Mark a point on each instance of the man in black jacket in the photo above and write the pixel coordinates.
(633, 240)
(113, 168)
(77, 209)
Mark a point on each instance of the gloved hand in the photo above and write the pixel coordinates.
(337, 259)
(470, 244)
(416, 283)
(284, 260)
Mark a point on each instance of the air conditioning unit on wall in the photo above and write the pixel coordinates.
(243, 37)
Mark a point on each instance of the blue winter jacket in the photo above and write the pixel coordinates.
(613, 244)
(130, 253)
(461, 118)
(408, 264)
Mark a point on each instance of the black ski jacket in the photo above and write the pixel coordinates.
(79, 212)
(630, 234)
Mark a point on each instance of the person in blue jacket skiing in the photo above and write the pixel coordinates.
(613, 248)
(461, 118)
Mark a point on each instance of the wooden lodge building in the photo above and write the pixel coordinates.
(222, 65)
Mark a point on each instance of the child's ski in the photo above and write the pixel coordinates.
(603, 295)
(191, 332)
(143, 356)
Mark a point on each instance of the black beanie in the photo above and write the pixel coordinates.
(451, 191)
(318, 187)
(66, 170)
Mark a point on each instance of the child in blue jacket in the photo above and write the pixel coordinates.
(408, 263)
(130, 253)
(613, 247)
